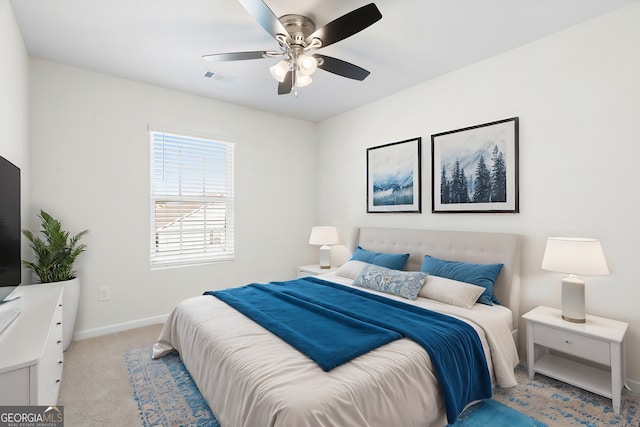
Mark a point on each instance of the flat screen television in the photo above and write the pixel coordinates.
(10, 233)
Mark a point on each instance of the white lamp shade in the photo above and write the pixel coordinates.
(279, 71)
(302, 80)
(583, 257)
(323, 235)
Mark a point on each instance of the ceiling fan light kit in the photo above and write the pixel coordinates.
(302, 65)
(297, 37)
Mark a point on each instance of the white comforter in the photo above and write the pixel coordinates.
(251, 378)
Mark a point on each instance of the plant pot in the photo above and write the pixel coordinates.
(70, 301)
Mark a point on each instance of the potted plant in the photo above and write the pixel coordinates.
(55, 254)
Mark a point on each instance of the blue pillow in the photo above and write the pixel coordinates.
(484, 275)
(393, 261)
(406, 284)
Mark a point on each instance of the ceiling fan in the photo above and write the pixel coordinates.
(298, 37)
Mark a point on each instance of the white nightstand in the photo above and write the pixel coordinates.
(589, 355)
(313, 270)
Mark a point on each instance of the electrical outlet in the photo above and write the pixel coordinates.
(104, 293)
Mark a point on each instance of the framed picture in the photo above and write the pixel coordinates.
(393, 177)
(475, 169)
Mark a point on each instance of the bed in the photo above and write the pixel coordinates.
(250, 377)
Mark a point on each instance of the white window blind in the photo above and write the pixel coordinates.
(191, 199)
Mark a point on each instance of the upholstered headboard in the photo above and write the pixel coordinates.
(475, 247)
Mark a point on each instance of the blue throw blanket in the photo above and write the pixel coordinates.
(332, 324)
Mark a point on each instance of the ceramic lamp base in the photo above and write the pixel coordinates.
(325, 256)
(573, 300)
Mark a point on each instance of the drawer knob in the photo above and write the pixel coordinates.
(59, 323)
(57, 381)
(58, 342)
(59, 362)
(567, 341)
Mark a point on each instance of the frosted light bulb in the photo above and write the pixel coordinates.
(307, 64)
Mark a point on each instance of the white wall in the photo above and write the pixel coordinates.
(577, 94)
(90, 168)
(14, 103)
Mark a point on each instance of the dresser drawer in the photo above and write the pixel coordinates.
(573, 344)
(14, 387)
(49, 373)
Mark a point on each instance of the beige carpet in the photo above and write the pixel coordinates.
(95, 389)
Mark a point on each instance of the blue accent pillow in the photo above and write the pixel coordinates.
(393, 261)
(406, 284)
(484, 275)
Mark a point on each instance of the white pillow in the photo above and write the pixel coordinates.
(350, 269)
(451, 291)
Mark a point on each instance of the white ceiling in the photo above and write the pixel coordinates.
(161, 42)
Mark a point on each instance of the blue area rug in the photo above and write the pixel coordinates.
(167, 396)
(165, 392)
(560, 404)
(495, 414)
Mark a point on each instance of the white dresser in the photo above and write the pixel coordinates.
(31, 348)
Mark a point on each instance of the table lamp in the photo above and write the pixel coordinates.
(324, 236)
(574, 256)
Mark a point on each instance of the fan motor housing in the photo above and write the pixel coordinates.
(299, 27)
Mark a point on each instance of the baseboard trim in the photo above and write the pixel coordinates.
(119, 327)
(634, 386)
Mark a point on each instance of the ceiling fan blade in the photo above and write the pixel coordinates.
(234, 56)
(341, 68)
(347, 25)
(286, 85)
(265, 16)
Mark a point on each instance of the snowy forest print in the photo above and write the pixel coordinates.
(393, 177)
(482, 184)
(475, 169)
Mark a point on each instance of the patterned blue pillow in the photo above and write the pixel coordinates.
(406, 284)
(394, 261)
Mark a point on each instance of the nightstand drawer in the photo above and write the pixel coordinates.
(576, 345)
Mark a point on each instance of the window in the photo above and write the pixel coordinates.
(191, 199)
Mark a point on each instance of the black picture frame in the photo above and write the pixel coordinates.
(475, 169)
(394, 177)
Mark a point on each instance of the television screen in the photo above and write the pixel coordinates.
(10, 268)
